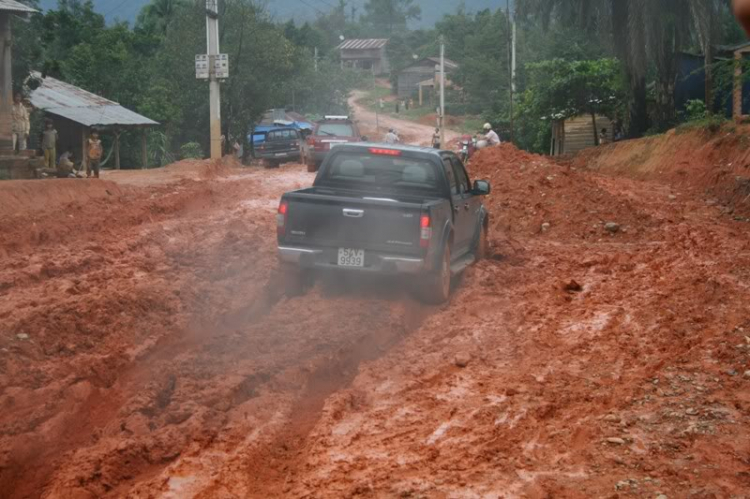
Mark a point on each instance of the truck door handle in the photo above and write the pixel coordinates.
(353, 213)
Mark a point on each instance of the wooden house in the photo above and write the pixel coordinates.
(369, 55)
(577, 133)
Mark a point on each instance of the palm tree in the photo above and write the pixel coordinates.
(644, 32)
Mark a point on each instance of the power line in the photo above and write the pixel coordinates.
(119, 6)
(313, 7)
(327, 3)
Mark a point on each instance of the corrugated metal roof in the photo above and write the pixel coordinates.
(13, 6)
(372, 43)
(428, 65)
(66, 100)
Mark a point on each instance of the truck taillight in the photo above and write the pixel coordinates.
(281, 218)
(425, 232)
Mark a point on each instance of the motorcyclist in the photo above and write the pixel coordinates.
(490, 135)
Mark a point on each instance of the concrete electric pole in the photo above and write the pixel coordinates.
(212, 33)
(511, 67)
(442, 91)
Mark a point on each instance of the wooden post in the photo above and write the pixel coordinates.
(6, 83)
(144, 149)
(85, 149)
(117, 148)
(421, 91)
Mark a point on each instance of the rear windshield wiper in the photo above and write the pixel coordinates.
(328, 133)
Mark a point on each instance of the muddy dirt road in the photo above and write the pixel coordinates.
(410, 132)
(146, 349)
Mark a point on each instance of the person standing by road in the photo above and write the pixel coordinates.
(94, 154)
(436, 139)
(21, 124)
(49, 145)
(391, 137)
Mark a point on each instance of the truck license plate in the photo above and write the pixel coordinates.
(351, 257)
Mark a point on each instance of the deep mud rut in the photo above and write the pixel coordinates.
(146, 348)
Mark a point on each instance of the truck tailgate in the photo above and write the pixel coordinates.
(358, 223)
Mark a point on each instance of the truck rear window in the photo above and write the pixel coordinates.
(336, 130)
(282, 135)
(380, 173)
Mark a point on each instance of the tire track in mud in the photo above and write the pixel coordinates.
(288, 396)
(280, 353)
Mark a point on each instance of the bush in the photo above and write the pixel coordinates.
(697, 117)
(191, 150)
(695, 110)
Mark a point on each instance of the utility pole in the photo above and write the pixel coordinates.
(316, 59)
(212, 34)
(511, 67)
(442, 91)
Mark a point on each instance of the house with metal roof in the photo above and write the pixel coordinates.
(369, 55)
(76, 112)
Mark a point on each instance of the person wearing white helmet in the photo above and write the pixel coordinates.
(492, 138)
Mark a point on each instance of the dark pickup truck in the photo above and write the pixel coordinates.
(386, 209)
(282, 145)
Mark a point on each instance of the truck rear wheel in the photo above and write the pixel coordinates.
(482, 249)
(435, 288)
(294, 281)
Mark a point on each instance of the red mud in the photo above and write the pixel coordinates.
(146, 349)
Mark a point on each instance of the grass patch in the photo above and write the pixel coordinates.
(710, 124)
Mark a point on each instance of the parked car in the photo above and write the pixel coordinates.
(389, 210)
(280, 145)
(329, 132)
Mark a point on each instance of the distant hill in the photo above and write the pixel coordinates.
(300, 10)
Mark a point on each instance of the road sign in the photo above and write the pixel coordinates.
(203, 66)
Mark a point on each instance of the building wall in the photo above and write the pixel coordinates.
(375, 60)
(408, 81)
(576, 134)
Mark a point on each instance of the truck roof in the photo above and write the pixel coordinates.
(359, 146)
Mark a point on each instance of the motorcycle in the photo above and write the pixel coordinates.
(468, 147)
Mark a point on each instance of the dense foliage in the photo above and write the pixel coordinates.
(619, 58)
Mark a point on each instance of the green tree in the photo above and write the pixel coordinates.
(157, 16)
(386, 17)
(561, 89)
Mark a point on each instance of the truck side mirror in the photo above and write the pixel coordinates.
(482, 188)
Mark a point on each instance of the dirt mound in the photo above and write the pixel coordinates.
(717, 165)
(533, 195)
(431, 120)
(206, 168)
(48, 195)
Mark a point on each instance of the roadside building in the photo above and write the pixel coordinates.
(422, 76)
(577, 133)
(75, 112)
(12, 166)
(369, 55)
